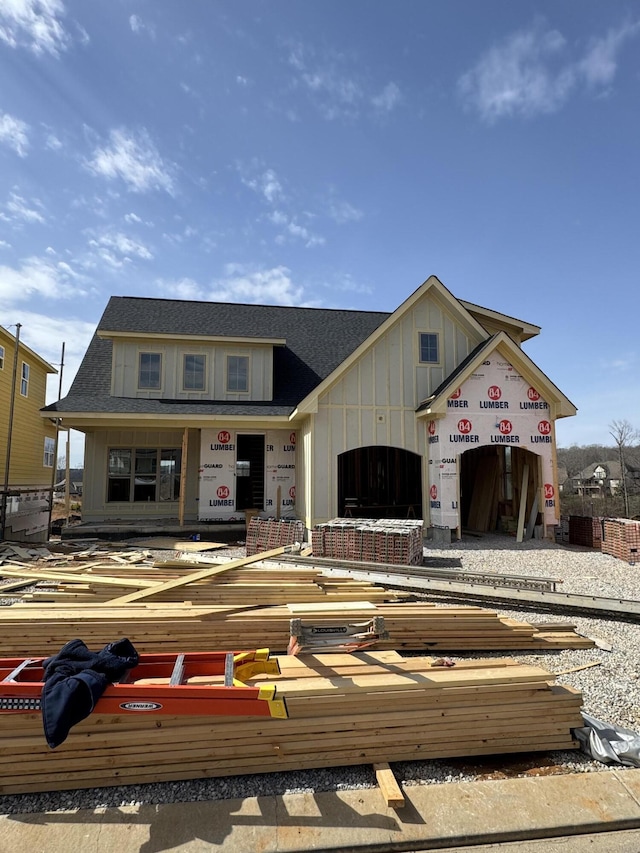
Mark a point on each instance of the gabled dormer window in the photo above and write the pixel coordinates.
(429, 353)
(193, 372)
(150, 371)
(237, 373)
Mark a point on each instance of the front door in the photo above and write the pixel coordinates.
(249, 472)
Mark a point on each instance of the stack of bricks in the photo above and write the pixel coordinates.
(585, 530)
(370, 540)
(264, 534)
(622, 539)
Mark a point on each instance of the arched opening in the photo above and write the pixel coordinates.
(493, 483)
(380, 482)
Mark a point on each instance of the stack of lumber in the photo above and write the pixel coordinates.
(343, 710)
(34, 631)
(370, 540)
(266, 585)
(622, 539)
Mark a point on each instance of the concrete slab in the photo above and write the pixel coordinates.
(435, 817)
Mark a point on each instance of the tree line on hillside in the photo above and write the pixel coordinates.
(586, 490)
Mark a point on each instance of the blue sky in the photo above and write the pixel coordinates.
(332, 154)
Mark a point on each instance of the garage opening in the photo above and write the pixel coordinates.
(491, 489)
(380, 482)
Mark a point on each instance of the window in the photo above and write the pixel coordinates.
(143, 474)
(150, 370)
(193, 372)
(24, 382)
(237, 373)
(1, 358)
(429, 348)
(49, 451)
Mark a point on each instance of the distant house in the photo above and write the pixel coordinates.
(202, 412)
(598, 479)
(24, 507)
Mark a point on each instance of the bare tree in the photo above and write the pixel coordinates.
(623, 434)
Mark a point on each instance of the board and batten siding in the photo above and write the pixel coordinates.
(124, 375)
(374, 401)
(96, 455)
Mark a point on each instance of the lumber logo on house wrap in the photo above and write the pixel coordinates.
(504, 411)
(280, 467)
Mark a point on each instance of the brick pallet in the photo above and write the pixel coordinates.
(266, 533)
(370, 540)
(622, 539)
(585, 531)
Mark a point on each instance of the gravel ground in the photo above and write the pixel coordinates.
(611, 690)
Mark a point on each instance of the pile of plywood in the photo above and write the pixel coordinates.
(343, 710)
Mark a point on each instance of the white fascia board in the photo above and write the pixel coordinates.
(525, 366)
(226, 339)
(310, 403)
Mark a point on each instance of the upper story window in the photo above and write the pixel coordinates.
(24, 382)
(429, 348)
(193, 372)
(49, 451)
(1, 358)
(150, 370)
(237, 373)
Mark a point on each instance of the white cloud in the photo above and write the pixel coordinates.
(240, 283)
(266, 184)
(599, 66)
(132, 217)
(139, 26)
(4, 244)
(122, 246)
(388, 98)
(53, 143)
(530, 73)
(40, 277)
(34, 24)
(273, 286)
(18, 211)
(292, 229)
(328, 81)
(183, 288)
(135, 160)
(13, 133)
(342, 211)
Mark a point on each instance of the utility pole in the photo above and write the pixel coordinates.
(54, 473)
(7, 464)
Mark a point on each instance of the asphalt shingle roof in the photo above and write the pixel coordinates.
(317, 341)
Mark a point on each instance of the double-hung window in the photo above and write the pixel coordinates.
(1, 358)
(429, 348)
(150, 371)
(237, 373)
(49, 451)
(24, 381)
(193, 372)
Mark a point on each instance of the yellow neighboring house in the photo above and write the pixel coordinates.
(26, 471)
